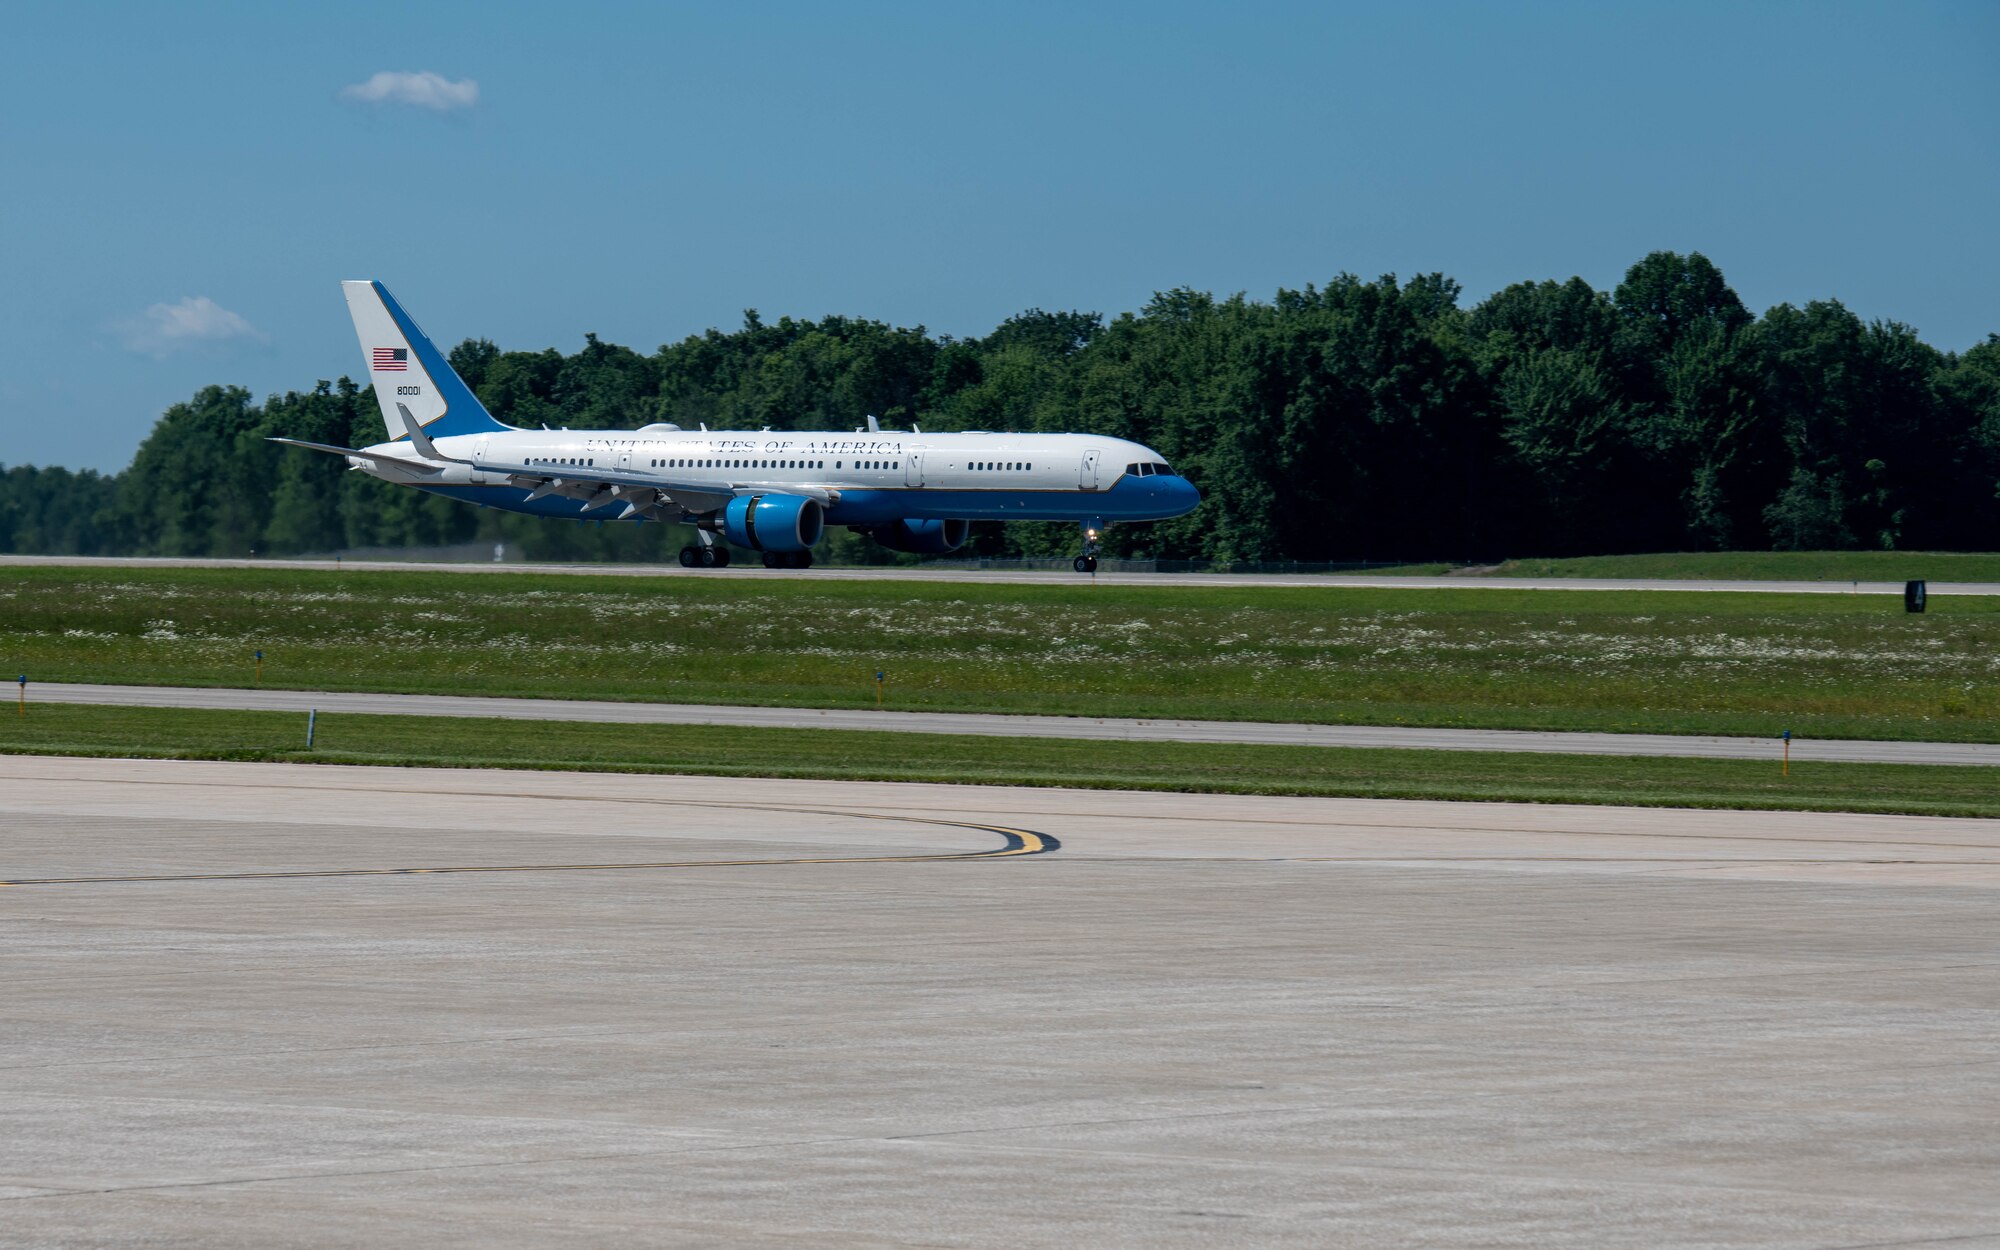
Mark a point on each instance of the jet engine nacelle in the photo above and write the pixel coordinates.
(773, 522)
(924, 538)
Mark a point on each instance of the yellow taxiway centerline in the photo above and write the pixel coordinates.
(1018, 842)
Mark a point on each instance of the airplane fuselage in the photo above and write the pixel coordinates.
(862, 478)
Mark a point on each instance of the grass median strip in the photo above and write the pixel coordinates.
(850, 755)
(1827, 666)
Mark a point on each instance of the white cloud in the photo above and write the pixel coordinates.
(197, 321)
(425, 90)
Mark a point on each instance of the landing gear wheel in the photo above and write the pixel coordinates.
(708, 558)
(721, 556)
(691, 557)
(776, 560)
(802, 560)
(1087, 562)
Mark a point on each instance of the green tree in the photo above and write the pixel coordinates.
(305, 498)
(1846, 394)
(1666, 295)
(1968, 389)
(199, 483)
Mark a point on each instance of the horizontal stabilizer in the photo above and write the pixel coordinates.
(400, 462)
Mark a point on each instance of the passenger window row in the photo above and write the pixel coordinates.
(693, 463)
(1005, 466)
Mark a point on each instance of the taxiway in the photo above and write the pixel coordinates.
(357, 1007)
(1099, 728)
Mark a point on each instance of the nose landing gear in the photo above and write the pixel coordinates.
(1087, 562)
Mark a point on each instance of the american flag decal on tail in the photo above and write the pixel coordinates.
(390, 359)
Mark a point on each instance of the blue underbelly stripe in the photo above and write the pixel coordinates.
(875, 506)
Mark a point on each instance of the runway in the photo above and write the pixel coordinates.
(1094, 728)
(1017, 577)
(358, 1007)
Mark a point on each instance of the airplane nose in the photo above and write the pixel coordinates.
(1179, 492)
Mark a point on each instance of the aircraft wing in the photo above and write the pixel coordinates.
(642, 495)
(645, 494)
(826, 495)
(609, 486)
(600, 488)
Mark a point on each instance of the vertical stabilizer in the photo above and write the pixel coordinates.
(407, 369)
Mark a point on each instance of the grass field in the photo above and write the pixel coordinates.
(75, 729)
(1825, 666)
(1792, 566)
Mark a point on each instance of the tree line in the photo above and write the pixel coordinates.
(1355, 420)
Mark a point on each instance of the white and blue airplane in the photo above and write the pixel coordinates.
(772, 491)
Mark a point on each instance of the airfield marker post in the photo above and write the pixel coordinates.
(312, 721)
(260, 668)
(23, 710)
(880, 677)
(1788, 752)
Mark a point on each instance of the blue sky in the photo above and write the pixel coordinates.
(185, 186)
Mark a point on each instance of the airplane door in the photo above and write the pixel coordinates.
(479, 456)
(1086, 478)
(913, 469)
(625, 463)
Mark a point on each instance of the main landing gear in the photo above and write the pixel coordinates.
(704, 553)
(716, 556)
